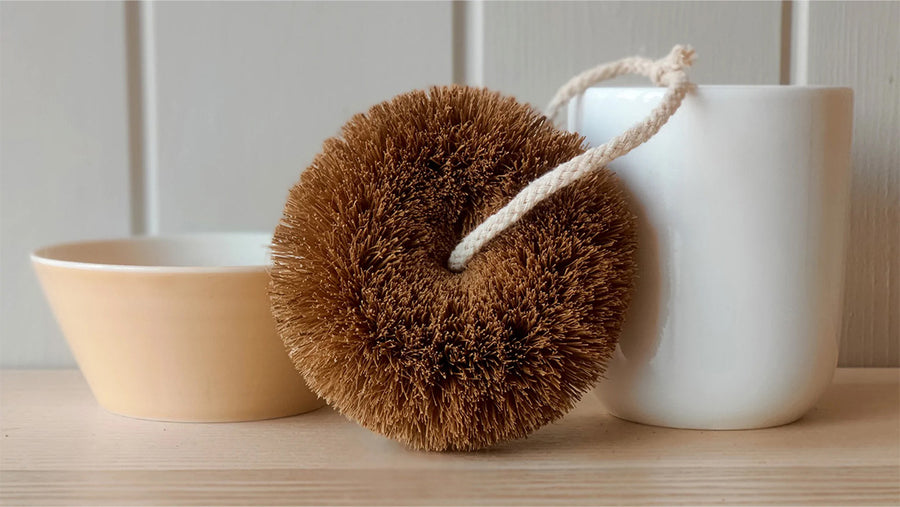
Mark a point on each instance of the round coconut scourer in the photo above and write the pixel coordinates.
(385, 333)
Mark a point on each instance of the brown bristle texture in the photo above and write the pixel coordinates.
(386, 334)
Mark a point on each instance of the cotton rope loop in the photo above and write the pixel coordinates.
(668, 71)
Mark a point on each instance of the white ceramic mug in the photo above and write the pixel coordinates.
(742, 204)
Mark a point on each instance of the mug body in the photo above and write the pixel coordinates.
(741, 201)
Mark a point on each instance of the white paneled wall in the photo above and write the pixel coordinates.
(247, 92)
(64, 153)
(238, 98)
(169, 117)
(858, 44)
(530, 49)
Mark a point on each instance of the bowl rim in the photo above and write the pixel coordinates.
(43, 255)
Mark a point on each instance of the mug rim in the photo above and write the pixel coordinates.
(734, 87)
(55, 254)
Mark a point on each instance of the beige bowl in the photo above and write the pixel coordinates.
(174, 328)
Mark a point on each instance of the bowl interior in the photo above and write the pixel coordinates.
(194, 251)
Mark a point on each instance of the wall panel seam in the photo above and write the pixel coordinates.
(468, 42)
(784, 70)
(149, 123)
(799, 47)
(135, 120)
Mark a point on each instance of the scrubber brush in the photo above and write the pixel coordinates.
(453, 270)
(384, 332)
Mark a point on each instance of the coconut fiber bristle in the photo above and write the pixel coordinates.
(384, 332)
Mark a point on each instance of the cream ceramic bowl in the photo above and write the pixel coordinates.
(174, 328)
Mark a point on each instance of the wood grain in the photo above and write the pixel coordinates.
(856, 44)
(59, 448)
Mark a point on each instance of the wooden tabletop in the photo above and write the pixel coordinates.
(59, 447)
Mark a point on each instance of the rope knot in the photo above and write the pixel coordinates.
(668, 71)
(671, 69)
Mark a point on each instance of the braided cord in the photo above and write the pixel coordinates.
(668, 71)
